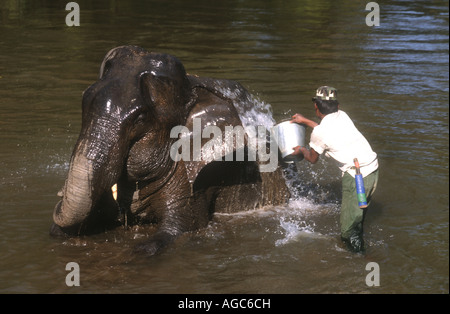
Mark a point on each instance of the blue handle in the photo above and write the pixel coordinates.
(360, 191)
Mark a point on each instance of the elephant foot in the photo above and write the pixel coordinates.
(155, 244)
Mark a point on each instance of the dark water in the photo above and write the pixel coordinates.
(393, 81)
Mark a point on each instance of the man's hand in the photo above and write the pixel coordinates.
(297, 150)
(298, 118)
(310, 154)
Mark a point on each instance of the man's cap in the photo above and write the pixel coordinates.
(326, 93)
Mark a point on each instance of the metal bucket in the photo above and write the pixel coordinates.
(288, 135)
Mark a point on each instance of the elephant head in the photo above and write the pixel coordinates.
(139, 94)
(125, 139)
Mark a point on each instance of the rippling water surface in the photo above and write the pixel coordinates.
(392, 80)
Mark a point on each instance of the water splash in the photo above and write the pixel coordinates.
(292, 229)
(252, 111)
(57, 167)
(303, 218)
(309, 202)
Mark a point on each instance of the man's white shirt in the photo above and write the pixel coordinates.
(338, 138)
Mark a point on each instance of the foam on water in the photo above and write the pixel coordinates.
(299, 221)
(293, 229)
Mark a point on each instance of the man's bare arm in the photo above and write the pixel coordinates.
(298, 118)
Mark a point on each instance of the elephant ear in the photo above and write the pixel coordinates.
(165, 87)
(210, 118)
(233, 185)
(157, 90)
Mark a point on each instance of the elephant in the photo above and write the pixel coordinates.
(125, 142)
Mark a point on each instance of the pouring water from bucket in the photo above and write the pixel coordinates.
(288, 135)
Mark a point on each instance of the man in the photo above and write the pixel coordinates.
(338, 138)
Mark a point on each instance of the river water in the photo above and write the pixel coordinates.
(393, 80)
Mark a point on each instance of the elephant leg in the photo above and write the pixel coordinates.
(180, 212)
(155, 244)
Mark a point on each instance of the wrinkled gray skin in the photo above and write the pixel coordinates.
(125, 139)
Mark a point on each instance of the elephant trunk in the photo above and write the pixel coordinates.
(91, 175)
(77, 200)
